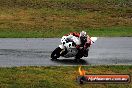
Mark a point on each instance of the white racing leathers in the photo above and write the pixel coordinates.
(75, 39)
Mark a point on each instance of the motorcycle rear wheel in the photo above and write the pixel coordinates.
(56, 53)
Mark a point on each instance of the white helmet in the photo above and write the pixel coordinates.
(83, 37)
(83, 34)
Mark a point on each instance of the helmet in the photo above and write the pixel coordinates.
(83, 37)
(83, 33)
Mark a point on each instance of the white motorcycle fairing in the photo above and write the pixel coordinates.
(71, 50)
(67, 44)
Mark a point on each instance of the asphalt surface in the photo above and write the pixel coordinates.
(36, 52)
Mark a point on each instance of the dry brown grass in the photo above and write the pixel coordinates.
(44, 15)
(35, 14)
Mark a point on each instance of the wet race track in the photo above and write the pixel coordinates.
(36, 52)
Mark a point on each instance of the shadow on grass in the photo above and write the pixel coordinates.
(71, 62)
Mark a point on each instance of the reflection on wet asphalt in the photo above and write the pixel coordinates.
(24, 53)
(36, 52)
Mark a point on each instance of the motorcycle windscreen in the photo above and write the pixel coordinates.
(93, 39)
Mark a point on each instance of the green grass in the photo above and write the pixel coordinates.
(36, 18)
(57, 76)
(102, 32)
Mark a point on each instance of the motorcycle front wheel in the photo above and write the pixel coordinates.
(78, 56)
(56, 53)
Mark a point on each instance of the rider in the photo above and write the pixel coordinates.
(84, 39)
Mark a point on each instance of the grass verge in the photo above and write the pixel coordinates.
(101, 32)
(57, 76)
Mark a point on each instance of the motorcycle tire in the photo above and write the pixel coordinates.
(56, 53)
(78, 56)
(77, 59)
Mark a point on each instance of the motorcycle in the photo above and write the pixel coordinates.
(67, 48)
